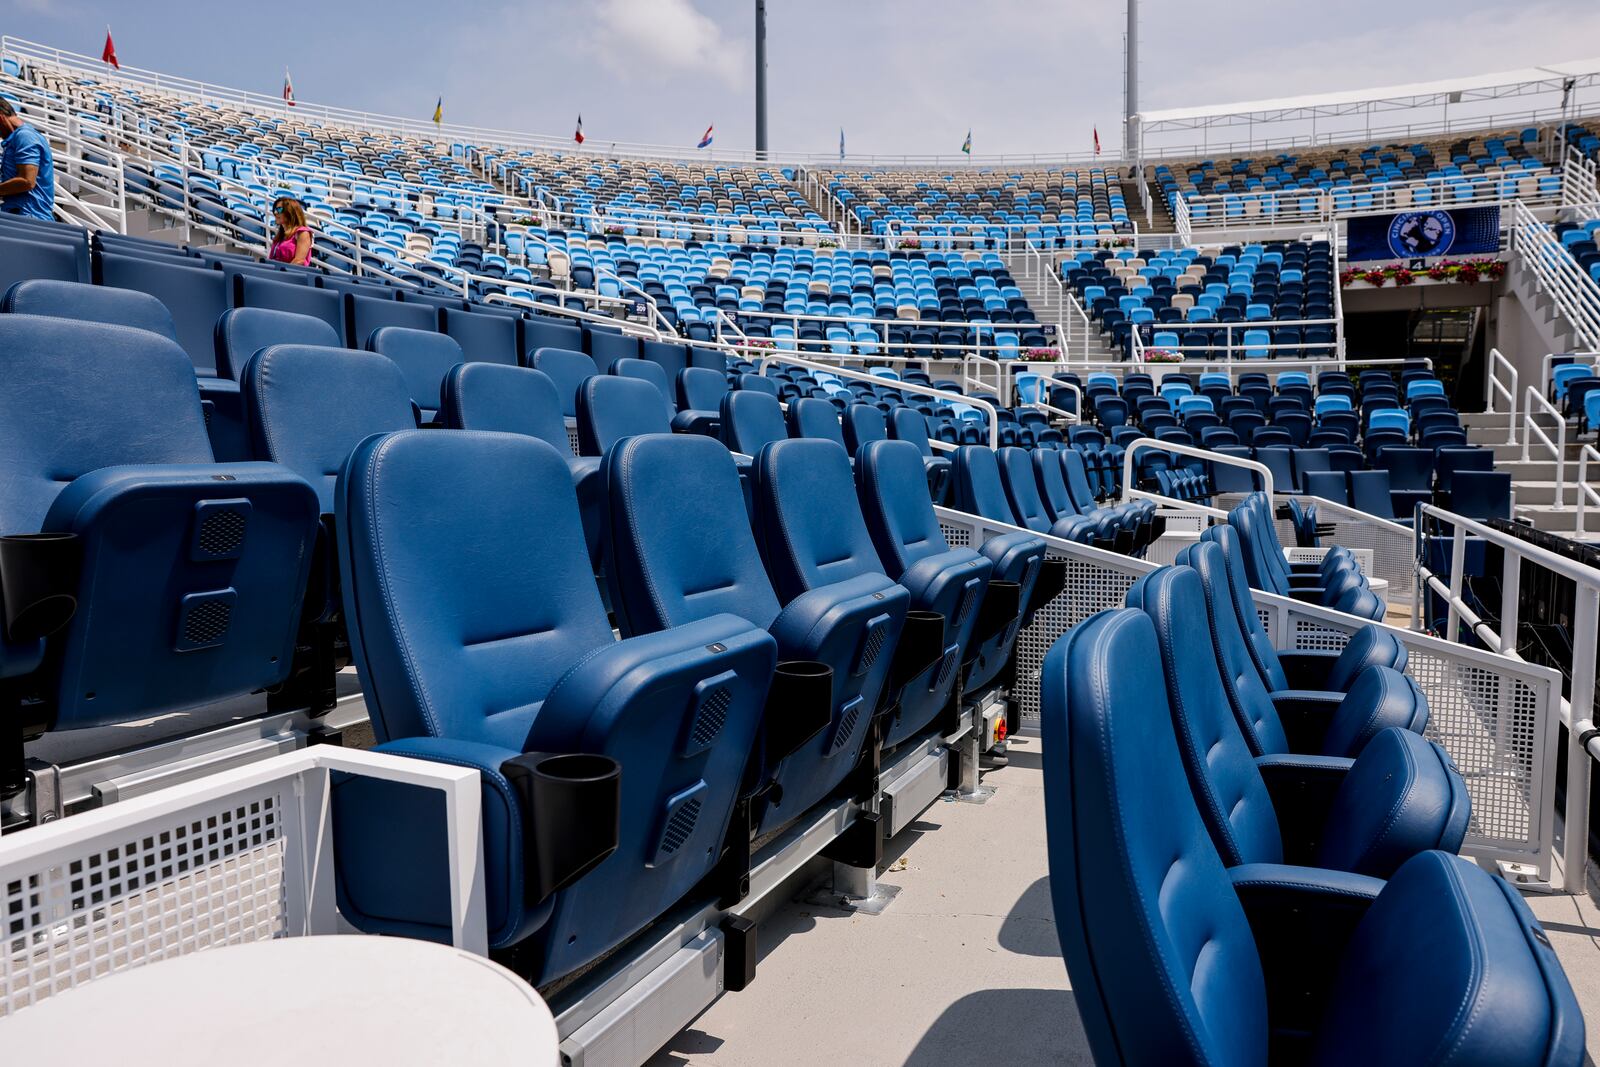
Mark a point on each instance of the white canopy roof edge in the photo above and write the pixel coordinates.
(1507, 82)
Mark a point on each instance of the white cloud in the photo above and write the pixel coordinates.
(640, 38)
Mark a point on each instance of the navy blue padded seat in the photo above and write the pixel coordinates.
(673, 358)
(193, 571)
(1174, 959)
(1366, 815)
(324, 304)
(493, 397)
(479, 636)
(484, 338)
(424, 357)
(863, 424)
(646, 370)
(606, 346)
(910, 545)
(681, 549)
(700, 393)
(612, 408)
(363, 314)
(568, 369)
(195, 296)
(909, 424)
(23, 258)
(750, 419)
(815, 418)
(545, 331)
(242, 332)
(361, 287)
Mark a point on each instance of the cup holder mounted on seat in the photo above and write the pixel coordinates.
(572, 804)
(1051, 581)
(39, 583)
(799, 705)
(1001, 602)
(921, 645)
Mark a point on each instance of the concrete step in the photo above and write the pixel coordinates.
(1561, 520)
(1544, 493)
(1507, 452)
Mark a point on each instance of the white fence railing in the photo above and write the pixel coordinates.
(1535, 405)
(1588, 495)
(1503, 391)
(1235, 347)
(1580, 191)
(1575, 293)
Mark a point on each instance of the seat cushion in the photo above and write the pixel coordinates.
(1403, 796)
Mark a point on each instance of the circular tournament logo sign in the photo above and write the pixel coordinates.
(1416, 234)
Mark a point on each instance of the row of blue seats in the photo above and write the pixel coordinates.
(1246, 873)
(1334, 581)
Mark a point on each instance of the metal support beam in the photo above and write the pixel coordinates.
(761, 79)
(1130, 92)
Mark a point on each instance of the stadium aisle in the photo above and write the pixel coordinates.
(964, 967)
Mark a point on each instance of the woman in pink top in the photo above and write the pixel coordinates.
(292, 242)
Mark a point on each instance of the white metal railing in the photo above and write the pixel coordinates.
(1503, 391)
(977, 331)
(1587, 493)
(1547, 365)
(1574, 292)
(1233, 350)
(1323, 207)
(1130, 480)
(1577, 710)
(1535, 404)
(1580, 191)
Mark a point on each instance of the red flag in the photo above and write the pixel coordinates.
(578, 134)
(108, 54)
(1097, 140)
(288, 88)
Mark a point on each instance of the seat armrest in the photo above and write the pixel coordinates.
(1303, 578)
(1302, 790)
(705, 423)
(1302, 919)
(1310, 594)
(1304, 566)
(1305, 714)
(1306, 669)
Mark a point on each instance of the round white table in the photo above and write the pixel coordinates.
(300, 1000)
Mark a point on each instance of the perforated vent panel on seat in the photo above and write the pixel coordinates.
(203, 619)
(680, 817)
(713, 699)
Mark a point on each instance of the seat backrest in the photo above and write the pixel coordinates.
(662, 570)
(909, 424)
(1052, 480)
(1077, 480)
(308, 407)
(1369, 491)
(568, 369)
(758, 383)
(608, 346)
(806, 545)
(1329, 485)
(196, 298)
(266, 294)
(1262, 650)
(1276, 459)
(242, 332)
(647, 371)
(978, 489)
(463, 628)
(423, 356)
(863, 423)
(1228, 789)
(89, 303)
(701, 389)
(1139, 892)
(893, 492)
(364, 314)
(1481, 494)
(1022, 489)
(501, 399)
(750, 419)
(484, 337)
(23, 258)
(612, 408)
(815, 418)
(546, 331)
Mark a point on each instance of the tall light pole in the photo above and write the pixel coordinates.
(1130, 84)
(761, 79)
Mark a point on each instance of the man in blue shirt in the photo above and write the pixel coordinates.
(27, 169)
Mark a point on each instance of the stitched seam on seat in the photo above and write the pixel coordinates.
(1387, 826)
(1477, 965)
(379, 554)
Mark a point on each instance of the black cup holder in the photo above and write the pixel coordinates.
(1158, 528)
(921, 645)
(1002, 600)
(799, 705)
(571, 804)
(39, 583)
(1052, 579)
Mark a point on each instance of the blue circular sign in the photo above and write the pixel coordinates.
(1416, 234)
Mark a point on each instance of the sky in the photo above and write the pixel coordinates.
(899, 76)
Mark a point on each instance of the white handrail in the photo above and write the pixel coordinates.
(1558, 447)
(1586, 492)
(1153, 444)
(1574, 292)
(916, 388)
(1498, 389)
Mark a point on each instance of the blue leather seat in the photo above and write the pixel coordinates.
(1334, 582)
(242, 332)
(89, 303)
(192, 571)
(568, 370)
(1175, 959)
(494, 397)
(547, 331)
(648, 371)
(751, 419)
(1282, 669)
(1059, 507)
(909, 424)
(324, 304)
(1334, 723)
(680, 549)
(951, 581)
(483, 337)
(606, 346)
(195, 296)
(863, 424)
(815, 418)
(480, 636)
(424, 357)
(700, 393)
(24, 258)
(1365, 815)
(364, 314)
(612, 408)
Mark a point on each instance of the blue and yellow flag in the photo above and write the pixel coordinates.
(966, 146)
(438, 112)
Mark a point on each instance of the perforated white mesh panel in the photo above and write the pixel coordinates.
(207, 876)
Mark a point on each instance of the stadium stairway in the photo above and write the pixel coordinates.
(1042, 296)
(1533, 480)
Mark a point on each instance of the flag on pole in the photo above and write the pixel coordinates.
(841, 144)
(288, 88)
(1097, 140)
(966, 146)
(108, 54)
(578, 134)
(438, 111)
(705, 142)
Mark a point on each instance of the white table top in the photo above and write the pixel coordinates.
(304, 1001)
